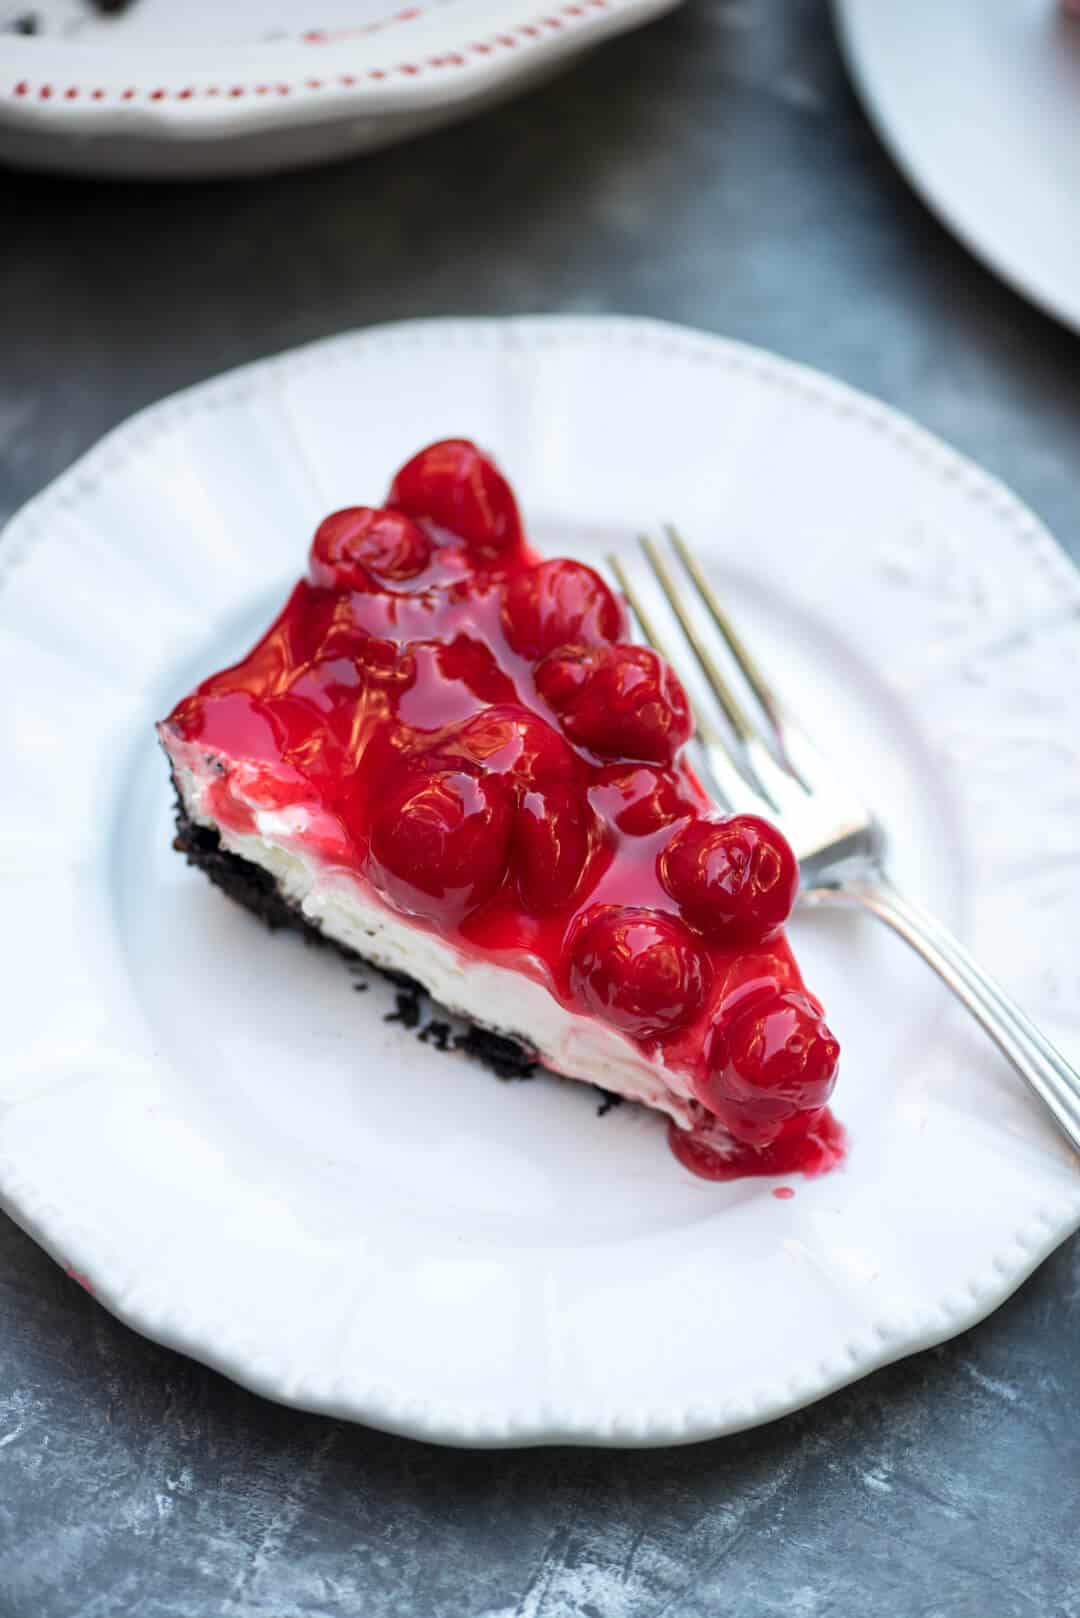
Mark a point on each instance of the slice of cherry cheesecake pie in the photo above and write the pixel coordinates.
(446, 756)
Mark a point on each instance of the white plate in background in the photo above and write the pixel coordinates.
(172, 90)
(242, 1159)
(979, 103)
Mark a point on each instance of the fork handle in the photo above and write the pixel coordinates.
(1043, 1069)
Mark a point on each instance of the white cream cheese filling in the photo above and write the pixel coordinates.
(494, 996)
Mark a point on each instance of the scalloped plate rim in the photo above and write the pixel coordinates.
(145, 109)
(537, 1425)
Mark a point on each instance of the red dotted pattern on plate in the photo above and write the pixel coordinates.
(335, 36)
(23, 89)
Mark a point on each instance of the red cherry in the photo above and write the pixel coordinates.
(639, 799)
(558, 603)
(736, 879)
(439, 845)
(455, 486)
(507, 740)
(450, 678)
(353, 546)
(619, 701)
(554, 833)
(638, 969)
(770, 1061)
(234, 722)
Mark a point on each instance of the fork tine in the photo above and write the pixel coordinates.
(703, 723)
(764, 693)
(776, 782)
(727, 775)
(641, 612)
(772, 779)
(736, 714)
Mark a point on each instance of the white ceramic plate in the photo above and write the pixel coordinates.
(979, 102)
(244, 1160)
(202, 87)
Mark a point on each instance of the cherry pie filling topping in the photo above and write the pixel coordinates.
(469, 731)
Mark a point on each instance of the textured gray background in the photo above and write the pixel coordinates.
(714, 169)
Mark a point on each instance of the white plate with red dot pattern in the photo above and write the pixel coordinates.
(168, 90)
(239, 1156)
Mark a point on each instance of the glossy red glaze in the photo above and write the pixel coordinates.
(509, 739)
(814, 1149)
(639, 799)
(523, 806)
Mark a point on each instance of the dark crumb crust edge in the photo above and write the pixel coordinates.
(257, 891)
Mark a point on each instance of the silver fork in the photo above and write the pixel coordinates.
(840, 844)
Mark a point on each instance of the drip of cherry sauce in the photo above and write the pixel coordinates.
(469, 731)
